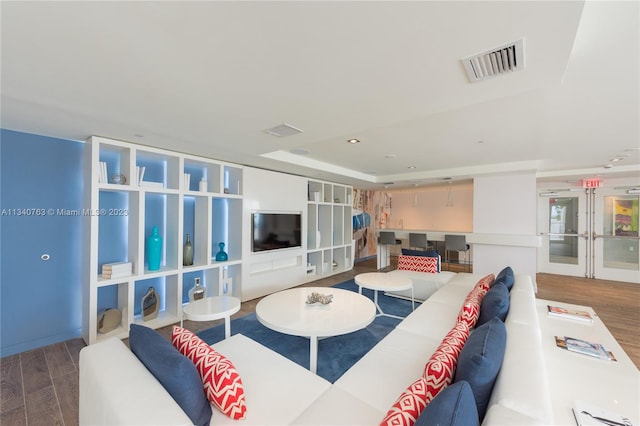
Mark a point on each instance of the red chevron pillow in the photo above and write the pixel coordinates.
(469, 313)
(418, 264)
(470, 310)
(408, 406)
(440, 369)
(438, 374)
(221, 380)
(455, 339)
(486, 282)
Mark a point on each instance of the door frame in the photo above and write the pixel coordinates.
(600, 234)
(581, 234)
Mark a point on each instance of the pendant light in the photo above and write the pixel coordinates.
(449, 197)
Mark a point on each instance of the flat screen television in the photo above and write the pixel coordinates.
(274, 231)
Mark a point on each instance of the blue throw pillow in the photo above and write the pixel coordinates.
(173, 370)
(480, 360)
(506, 277)
(494, 304)
(428, 253)
(453, 406)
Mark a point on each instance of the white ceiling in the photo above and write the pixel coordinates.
(209, 77)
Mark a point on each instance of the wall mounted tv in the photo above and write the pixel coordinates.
(274, 231)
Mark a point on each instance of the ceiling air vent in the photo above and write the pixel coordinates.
(283, 130)
(495, 62)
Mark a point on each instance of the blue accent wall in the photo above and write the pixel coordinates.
(40, 301)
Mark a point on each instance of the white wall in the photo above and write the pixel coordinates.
(505, 205)
(431, 212)
(265, 273)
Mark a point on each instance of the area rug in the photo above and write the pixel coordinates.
(335, 354)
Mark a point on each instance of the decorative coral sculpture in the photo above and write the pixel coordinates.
(316, 297)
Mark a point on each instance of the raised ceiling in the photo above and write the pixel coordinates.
(209, 78)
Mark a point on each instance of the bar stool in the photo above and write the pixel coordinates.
(418, 241)
(456, 243)
(386, 240)
(389, 238)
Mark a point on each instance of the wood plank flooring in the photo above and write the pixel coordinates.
(617, 304)
(40, 387)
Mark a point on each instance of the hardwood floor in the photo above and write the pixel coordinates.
(616, 303)
(40, 387)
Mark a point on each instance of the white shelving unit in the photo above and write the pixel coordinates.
(118, 219)
(329, 229)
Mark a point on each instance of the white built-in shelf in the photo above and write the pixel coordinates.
(330, 228)
(210, 217)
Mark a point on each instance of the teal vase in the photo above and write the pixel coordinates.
(154, 249)
(221, 256)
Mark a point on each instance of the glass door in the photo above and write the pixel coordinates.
(563, 227)
(615, 235)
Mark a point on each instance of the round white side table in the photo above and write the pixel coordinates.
(212, 308)
(385, 282)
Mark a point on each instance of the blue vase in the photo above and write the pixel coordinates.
(154, 249)
(221, 256)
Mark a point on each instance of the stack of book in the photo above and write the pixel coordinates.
(584, 347)
(557, 311)
(116, 270)
(146, 184)
(143, 183)
(187, 181)
(140, 173)
(103, 177)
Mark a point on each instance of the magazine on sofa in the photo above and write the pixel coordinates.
(557, 311)
(584, 347)
(591, 415)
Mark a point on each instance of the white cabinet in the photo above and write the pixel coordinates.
(118, 218)
(329, 229)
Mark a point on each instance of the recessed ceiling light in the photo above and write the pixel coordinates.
(353, 141)
(608, 166)
(616, 159)
(480, 141)
(411, 167)
(390, 156)
(138, 135)
(300, 151)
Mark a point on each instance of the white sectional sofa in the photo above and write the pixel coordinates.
(115, 388)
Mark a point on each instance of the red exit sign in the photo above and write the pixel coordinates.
(591, 183)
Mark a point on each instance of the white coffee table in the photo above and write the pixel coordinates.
(212, 308)
(377, 281)
(286, 312)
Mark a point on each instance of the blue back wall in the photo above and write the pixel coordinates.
(40, 301)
